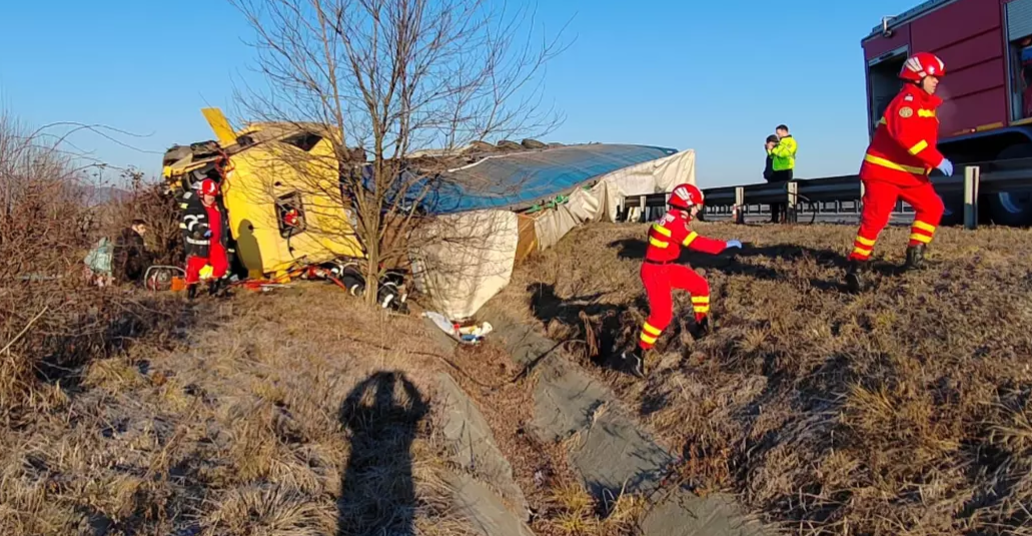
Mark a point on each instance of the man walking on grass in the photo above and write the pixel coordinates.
(897, 165)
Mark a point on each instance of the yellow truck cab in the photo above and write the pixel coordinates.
(280, 183)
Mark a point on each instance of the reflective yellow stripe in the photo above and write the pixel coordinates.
(661, 230)
(650, 329)
(183, 205)
(658, 243)
(879, 161)
(925, 113)
(924, 226)
(920, 237)
(864, 241)
(702, 308)
(182, 226)
(862, 251)
(647, 339)
(700, 299)
(691, 238)
(918, 147)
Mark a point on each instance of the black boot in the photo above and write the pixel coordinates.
(214, 286)
(191, 292)
(915, 257)
(854, 276)
(704, 327)
(634, 361)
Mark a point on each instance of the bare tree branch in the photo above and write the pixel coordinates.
(388, 77)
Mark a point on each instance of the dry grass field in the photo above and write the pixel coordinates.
(276, 415)
(294, 413)
(903, 410)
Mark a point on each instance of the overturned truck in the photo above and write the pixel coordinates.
(289, 211)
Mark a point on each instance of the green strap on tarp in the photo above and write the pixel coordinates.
(559, 200)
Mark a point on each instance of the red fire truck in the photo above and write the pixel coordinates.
(987, 113)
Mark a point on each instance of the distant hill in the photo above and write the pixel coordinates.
(99, 195)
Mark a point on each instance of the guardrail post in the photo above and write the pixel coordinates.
(740, 204)
(641, 209)
(971, 177)
(793, 199)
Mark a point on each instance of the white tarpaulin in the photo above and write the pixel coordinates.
(601, 202)
(464, 259)
(651, 177)
(467, 258)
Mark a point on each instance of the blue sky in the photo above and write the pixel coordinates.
(714, 76)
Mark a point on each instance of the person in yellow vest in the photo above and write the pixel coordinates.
(784, 153)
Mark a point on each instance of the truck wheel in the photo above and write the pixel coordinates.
(1014, 207)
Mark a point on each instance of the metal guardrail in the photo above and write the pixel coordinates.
(977, 178)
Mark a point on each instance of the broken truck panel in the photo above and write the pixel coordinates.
(220, 125)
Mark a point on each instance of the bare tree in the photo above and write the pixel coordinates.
(388, 77)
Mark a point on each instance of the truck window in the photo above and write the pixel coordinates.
(290, 214)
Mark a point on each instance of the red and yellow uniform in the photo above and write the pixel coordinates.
(660, 273)
(899, 159)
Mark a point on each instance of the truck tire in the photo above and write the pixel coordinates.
(1013, 208)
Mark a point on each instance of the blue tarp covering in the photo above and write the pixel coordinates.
(520, 180)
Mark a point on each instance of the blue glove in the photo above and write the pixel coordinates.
(207, 234)
(733, 244)
(946, 167)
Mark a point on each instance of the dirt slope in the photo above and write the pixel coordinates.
(907, 409)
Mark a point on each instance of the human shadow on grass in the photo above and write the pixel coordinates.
(382, 415)
(726, 262)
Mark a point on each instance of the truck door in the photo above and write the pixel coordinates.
(883, 82)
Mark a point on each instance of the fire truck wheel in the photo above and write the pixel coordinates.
(1014, 207)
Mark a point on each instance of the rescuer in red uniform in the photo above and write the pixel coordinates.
(897, 164)
(205, 229)
(661, 273)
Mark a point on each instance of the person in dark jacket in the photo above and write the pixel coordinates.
(768, 168)
(205, 234)
(131, 257)
(770, 176)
